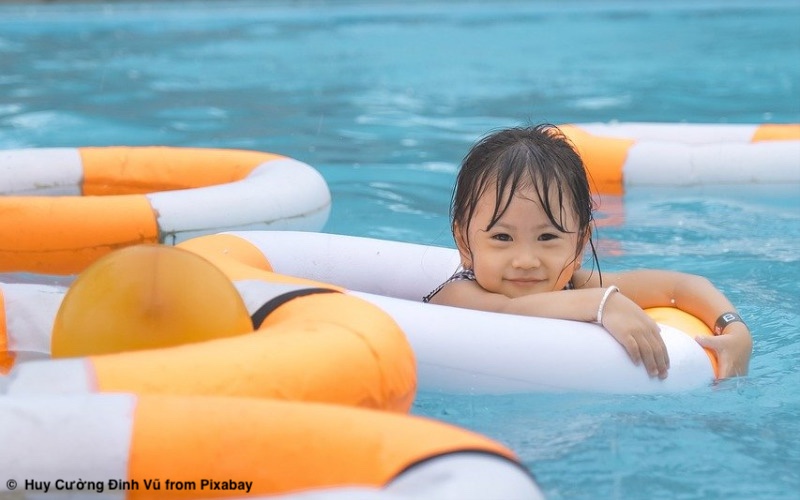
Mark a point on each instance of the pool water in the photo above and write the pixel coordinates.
(384, 98)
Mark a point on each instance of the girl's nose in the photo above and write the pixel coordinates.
(526, 260)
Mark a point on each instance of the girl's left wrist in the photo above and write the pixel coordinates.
(738, 328)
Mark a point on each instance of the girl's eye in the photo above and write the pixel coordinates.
(547, 237)
(501, 237)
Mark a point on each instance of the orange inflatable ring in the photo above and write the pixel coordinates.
(63, 208)
(528, 354)
(211, 447)
(621, 155)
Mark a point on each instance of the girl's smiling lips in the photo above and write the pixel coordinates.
(524, 281)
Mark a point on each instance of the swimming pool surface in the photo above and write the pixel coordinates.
(384, 98)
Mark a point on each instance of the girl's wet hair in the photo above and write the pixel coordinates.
(541, 157)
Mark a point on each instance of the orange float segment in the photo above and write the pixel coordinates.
(369, 332)
(73, 235)
(140, 170)
(216, 246)
(253, 365)
(355, 447)
(687, 323)
(274, 362)
(777, 132)
(6, 355)
(241, 260)
(604, 158)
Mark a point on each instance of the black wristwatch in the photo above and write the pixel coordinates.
(724, 320)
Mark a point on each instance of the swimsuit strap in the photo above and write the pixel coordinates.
(461, 274)
(469, 274)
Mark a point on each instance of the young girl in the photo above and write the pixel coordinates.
(521, 219)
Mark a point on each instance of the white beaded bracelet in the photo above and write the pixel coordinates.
(602, 307)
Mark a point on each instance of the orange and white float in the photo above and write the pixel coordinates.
(622, 155)
(129, 446)
(62, 208)
(463, 351)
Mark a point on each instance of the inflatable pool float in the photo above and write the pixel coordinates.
(622, 155)
(146, 446)
(63, 208)
(458, 350)
(300, 342)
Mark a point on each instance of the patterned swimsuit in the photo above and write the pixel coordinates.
(467, 274)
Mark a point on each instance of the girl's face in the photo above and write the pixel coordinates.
(523, 253)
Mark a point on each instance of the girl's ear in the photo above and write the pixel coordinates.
(460, 236)
(587, 238)
(584, 242)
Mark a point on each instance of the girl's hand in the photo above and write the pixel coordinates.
(638, 334)
(733, 349)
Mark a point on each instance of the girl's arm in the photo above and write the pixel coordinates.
(628, 324)
(692, 294)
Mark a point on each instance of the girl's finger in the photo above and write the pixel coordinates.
(651, 363)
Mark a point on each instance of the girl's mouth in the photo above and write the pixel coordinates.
(524, 281)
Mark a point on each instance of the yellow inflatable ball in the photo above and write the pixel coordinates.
(685, 322)
(147, 297)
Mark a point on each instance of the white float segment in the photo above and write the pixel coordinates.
(405, 270)
(274, 193)
(30, 311)
(41, 172)
(675, 164)
(65, 437)
(458, 476)
(54, 376)
(465, 351)
(256, 293)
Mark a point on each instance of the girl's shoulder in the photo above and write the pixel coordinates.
(586, 279)
(460, 275)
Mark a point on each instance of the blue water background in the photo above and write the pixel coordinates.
(384, 98)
